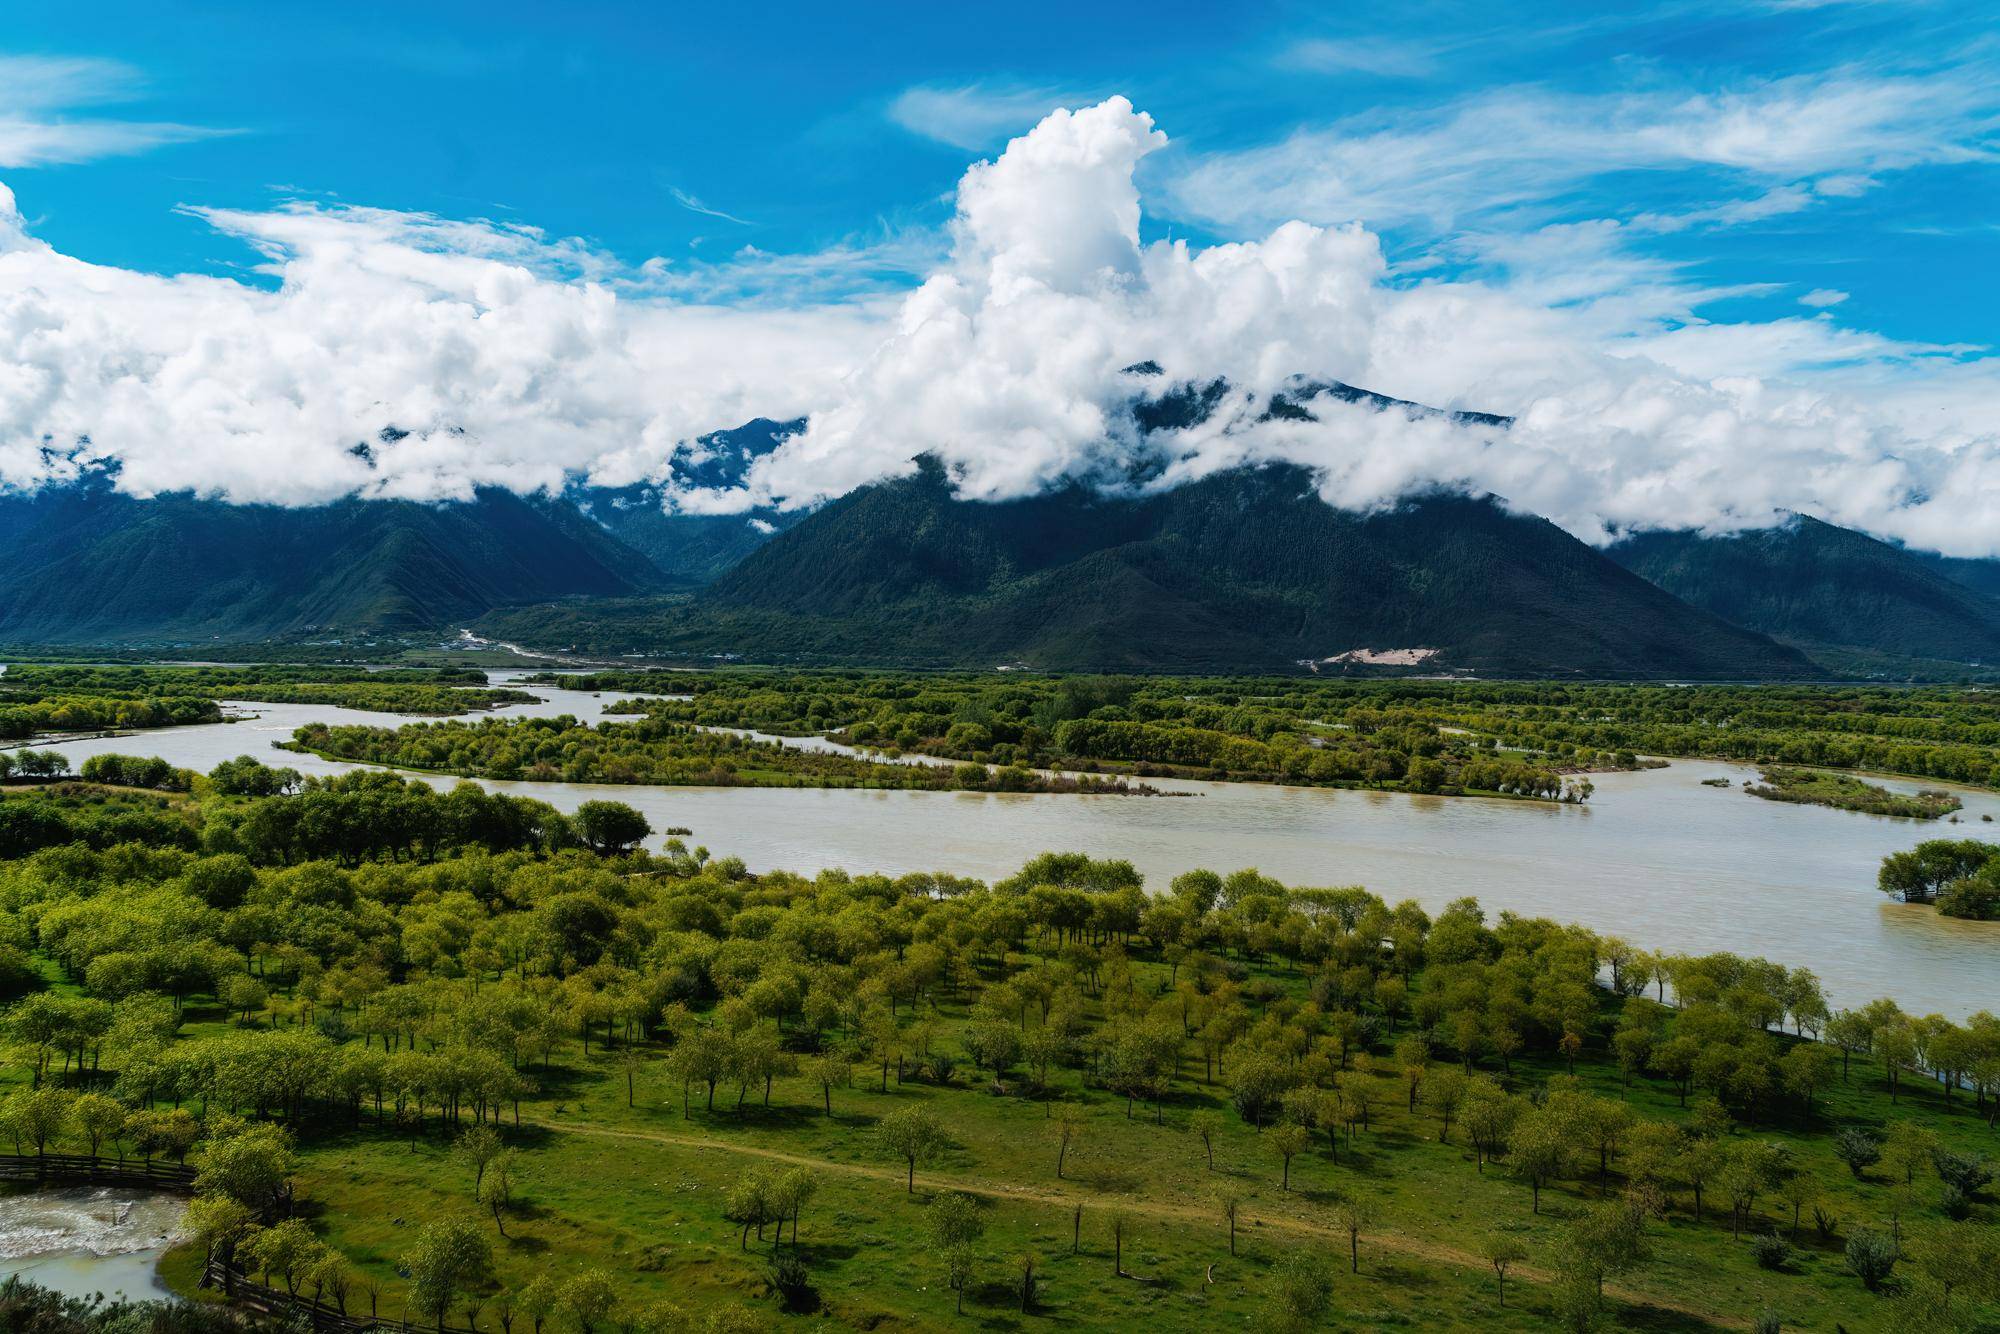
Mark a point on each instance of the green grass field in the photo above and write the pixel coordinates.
(640, 1190)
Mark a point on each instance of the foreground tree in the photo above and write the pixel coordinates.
(951, 1224)
(610, 827)
(448, 1257)
(1503, 1252)
(589, 1298)
(915, 1135)
(1354, 1216)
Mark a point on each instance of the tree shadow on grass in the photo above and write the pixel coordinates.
(1111, 1180)
(529, 1135)
(779, 1116)
(1657, 1320)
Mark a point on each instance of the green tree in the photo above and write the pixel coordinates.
(913, 1134)
(478, 1146)
(98, 1119)
(450, 1256)
(1503, 1252)
(499, 1188)
(1353, 1216)
(610, 827)
(1871, 1256)
(250, 1163)
(589, 1298)
(1541, 1148)
(1205, 1126)
(951, 1224)
(286, 1249)
(1289, 1141)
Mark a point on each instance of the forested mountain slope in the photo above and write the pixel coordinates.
(88, 564)
(1248, 569)
(1817, 585)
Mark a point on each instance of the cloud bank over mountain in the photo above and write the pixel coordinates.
(515, 359)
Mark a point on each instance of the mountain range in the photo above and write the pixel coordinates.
(1828, 590)
(87, 564)
(1245, 570)
(1248, 570)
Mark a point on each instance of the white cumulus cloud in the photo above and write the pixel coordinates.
(522, 360)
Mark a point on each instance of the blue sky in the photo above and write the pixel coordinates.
(805, 127)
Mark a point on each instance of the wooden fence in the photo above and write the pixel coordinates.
(276, 1303)
(50, 1168)
(322, 1315)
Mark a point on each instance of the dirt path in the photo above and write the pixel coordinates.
(1400, 1243)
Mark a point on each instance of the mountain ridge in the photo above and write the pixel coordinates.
(1244, 570)
(1820, 586)
(89, 564)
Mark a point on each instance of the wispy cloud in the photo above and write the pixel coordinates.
(694, 205)
(1385, 56)
(38, 93)
(1532, 149)
(977, 115)
(1822, 297)
(856, 269)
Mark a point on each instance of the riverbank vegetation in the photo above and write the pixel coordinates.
(1345, 730)
(1816, 787)
(1170, 727)
(31, 713)
(489, 1063)
(397, 690)
(658, 753)
(1960, 876)
(29, 1308)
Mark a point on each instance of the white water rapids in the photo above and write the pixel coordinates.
(88, 1239)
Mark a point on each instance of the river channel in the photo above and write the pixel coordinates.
(1655, 856)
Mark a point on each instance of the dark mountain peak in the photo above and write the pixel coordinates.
(1299, 391)
(932, 471)
(721, 460)
(1189, 403)
(1178, 406)
(691, 549)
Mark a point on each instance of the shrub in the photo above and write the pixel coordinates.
(1955, 1202)
(793, 1281)
(1772, 1251)
(1768, 1322)
(1871, 1256)
(1964, 1172)
(1858, 1149)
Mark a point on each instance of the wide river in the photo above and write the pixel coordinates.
(1654, 857)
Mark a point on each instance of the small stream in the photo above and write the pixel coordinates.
(88, 1240)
